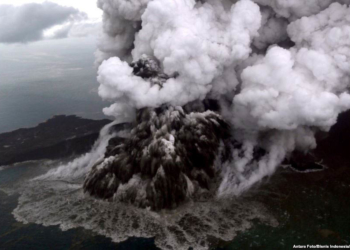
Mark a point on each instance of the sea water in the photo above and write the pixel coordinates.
(47, 78)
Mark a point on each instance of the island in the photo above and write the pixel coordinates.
(58, 137)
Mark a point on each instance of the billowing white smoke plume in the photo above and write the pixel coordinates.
(298, 8)
(196, 42)
(279, 69)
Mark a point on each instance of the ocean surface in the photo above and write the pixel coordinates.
(310, 209)
(43, 79)
(18, 236)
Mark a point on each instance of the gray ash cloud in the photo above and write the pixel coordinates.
(27, 23)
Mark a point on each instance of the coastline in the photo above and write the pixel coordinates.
(59, 137)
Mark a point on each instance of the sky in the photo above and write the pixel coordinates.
(87, 6)
(23, 21)
(47, 61)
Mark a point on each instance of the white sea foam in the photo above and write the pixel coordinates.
(51, 202)
(57, 198)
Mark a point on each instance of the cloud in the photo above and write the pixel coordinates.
(27, 23)
(73, 29)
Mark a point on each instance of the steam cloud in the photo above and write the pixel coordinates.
(279, 71)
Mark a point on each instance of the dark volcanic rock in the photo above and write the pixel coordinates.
(169, 156)
(60, 136)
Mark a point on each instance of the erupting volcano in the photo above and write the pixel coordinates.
(169, 156)
(218, 93)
